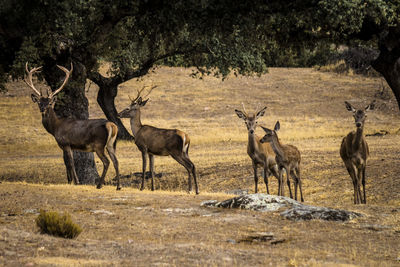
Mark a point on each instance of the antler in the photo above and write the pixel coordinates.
(244, 109)
(29, 80)
(67, 73)
(151, 89)
(140, 91)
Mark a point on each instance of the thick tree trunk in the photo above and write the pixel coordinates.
(73, 103)
(108, 90)
(106, 99)
(388, 61)
(391, 72)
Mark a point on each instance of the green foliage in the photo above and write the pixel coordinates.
(217, 37)
(27, 53)
(54, 224)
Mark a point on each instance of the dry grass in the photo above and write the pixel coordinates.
(167, 227)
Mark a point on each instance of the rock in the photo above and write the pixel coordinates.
(304, 212)
(294, 210)
(259, 202)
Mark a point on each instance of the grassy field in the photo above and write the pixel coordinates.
(168, 227)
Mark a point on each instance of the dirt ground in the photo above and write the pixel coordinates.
(168, 227)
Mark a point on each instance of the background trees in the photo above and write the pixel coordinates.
(217, 37)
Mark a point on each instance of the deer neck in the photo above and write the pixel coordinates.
(50, 121)
(358, 138)
(277, 147)
(252, 142)
(136, 123)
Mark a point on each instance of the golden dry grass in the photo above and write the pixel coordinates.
(167, 227)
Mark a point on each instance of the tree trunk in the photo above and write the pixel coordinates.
(108, 90)
(388, 61)
(106, 99)
(391, 72)
(73, 103)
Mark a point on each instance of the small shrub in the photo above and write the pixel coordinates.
(54, 224)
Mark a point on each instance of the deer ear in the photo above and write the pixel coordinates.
(261, 112)
(35, 98)
(349, 107)
(143, 103)
(240, 114)
(265, 129)
(277, 126)
(370, 106)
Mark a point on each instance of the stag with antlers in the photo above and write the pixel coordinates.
(94, 135)
(155, 141)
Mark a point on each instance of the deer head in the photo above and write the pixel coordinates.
(45, 102)
(270, 134)
(360, 114)
(250, 120)
(136, 103)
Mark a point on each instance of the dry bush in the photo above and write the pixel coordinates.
(52, 223)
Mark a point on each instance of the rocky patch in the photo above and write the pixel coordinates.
(293, 210)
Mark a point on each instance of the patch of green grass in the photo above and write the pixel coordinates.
(52, 223)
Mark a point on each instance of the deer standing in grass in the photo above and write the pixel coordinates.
(161, 142)
(354, 151)
(261, 155)
(93, 135)
(287, 157)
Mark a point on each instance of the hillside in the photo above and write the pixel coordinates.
(168, 226)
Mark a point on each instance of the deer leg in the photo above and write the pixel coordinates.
(296, 174)
(255, 177)
(282, 188)
(193, 170)
(71, 164)
(288, 182)
(295, 182)
(352, 173)
(144, 161)
(359, 180)
(111, 152)
(189, 166)
(151, 162)
(66, 162)
(275, 171)
(300, 183)
(106, 163)
(266, 175)
(363, 184)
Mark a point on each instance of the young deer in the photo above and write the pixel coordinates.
(261, 155)
(354, 151)
(70, 134)
(287, 157)
(161, 142)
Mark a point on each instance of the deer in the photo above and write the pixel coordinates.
(152, 141)
(261, 155)
(287, 157)
(93, 135)
(354, 151)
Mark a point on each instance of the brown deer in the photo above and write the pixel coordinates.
(93, 135)
(287, 157)
(354, 151)
(261, 155)
(161, 142)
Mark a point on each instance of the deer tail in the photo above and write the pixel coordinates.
(185, 141)
(112, 130)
